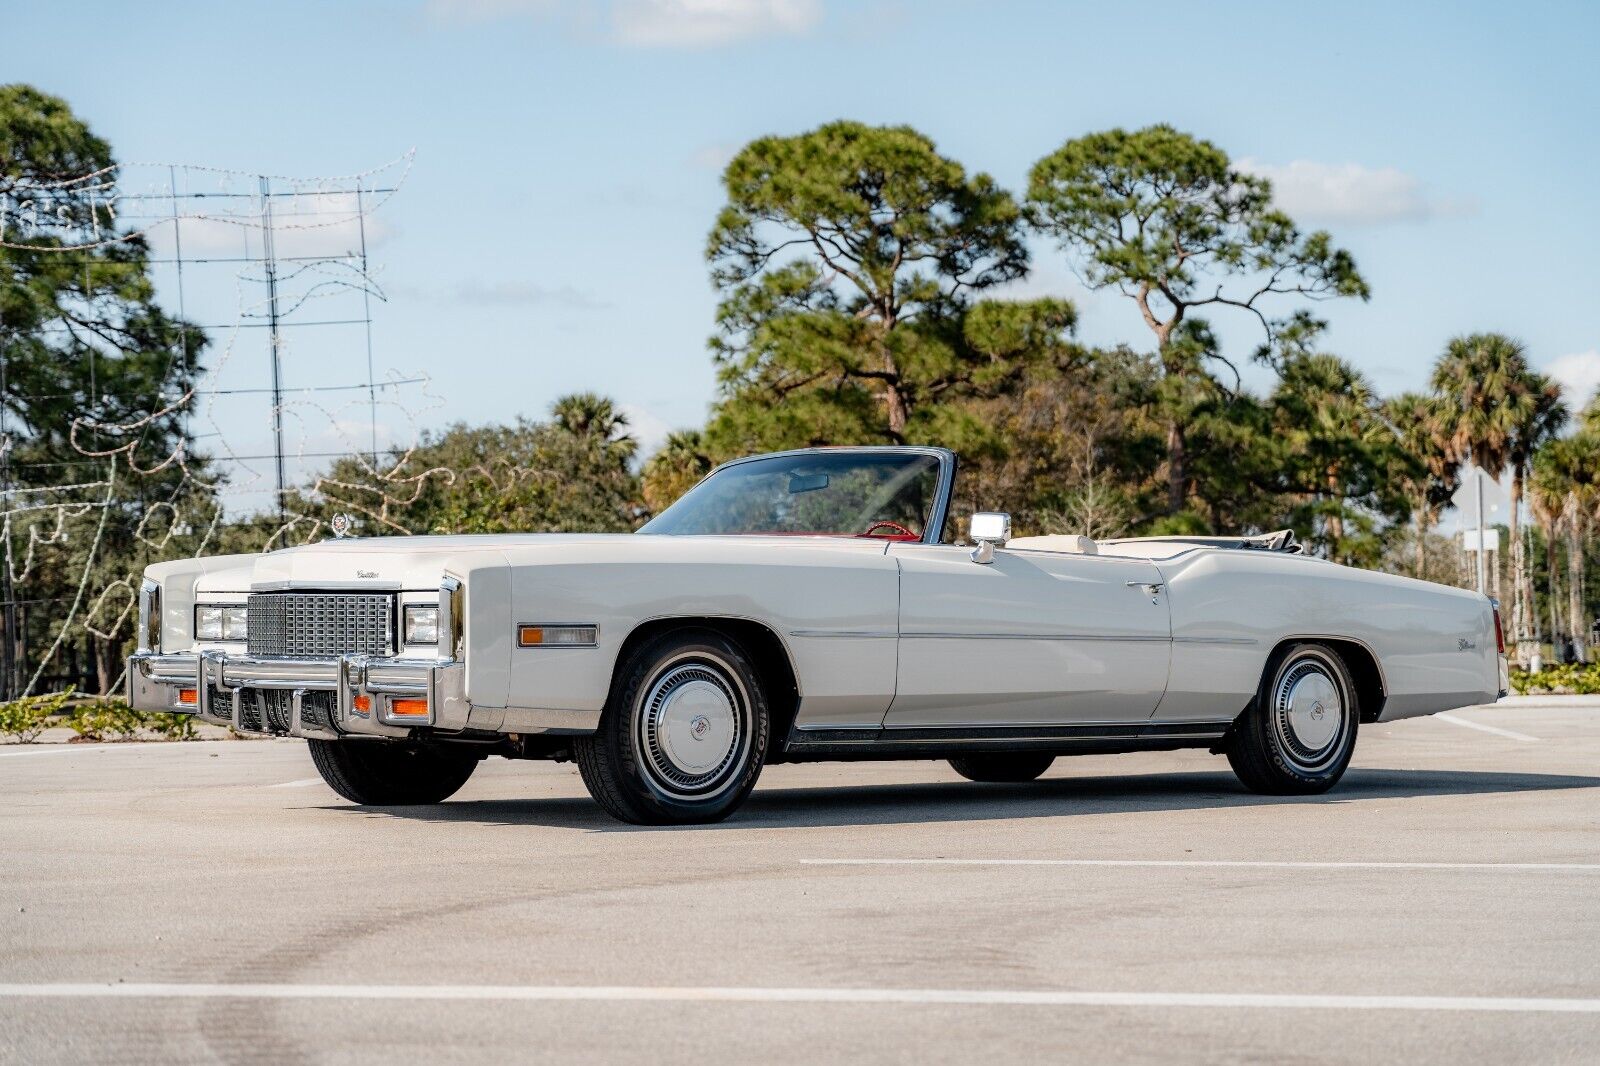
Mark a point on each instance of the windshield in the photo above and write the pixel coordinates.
(888, 494)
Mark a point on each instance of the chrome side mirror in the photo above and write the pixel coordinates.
(988, 530)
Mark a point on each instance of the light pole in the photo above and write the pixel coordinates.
(1483, 566)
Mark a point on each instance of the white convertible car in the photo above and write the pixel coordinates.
(805, 605)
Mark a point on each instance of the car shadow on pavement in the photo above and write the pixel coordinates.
(948, 801)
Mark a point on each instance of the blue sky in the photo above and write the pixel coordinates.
(549, 233)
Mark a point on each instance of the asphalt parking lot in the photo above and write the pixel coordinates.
(215, 902)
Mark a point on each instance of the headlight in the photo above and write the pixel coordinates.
(207, 623)
(422, 624)
(220, 621)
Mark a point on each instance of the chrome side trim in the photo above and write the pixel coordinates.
(1215, 640)
(863, 634)
(1101, 638)
(452, 613)
(331, 586)
(539, 720)
(1383, 679)
(149, 616)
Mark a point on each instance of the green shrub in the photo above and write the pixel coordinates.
(30, 716)
(169, 726)
(106, 718)
(1581, 679)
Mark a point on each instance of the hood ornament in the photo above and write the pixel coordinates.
(341, 524)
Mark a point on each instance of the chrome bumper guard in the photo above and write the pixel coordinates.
(214, 686)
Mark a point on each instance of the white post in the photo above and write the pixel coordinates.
(1483, 568)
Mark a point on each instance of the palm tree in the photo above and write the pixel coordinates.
(1420, 424)
(1538, 415)
(675, 469)
(1498, 412)
(1568, 469)
(589, 415)
(1547, 499)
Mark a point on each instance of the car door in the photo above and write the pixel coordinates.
(1032, 638)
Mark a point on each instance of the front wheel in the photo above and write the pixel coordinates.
(374, 773)
(684, 734)
(1002, 768)
(1298, 735)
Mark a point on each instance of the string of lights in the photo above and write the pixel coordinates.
(281, 270)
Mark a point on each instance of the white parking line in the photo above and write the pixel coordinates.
(55, 749)
(81, 749)
(1563, 867)
(1496, 730)
(697, 994)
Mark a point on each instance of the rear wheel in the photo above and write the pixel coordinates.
(1003, 767)
(378, 774)
(684, 734)
(1298, 735)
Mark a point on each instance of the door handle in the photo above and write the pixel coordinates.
(1151, 588)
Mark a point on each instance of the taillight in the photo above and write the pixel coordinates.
(1499, 633)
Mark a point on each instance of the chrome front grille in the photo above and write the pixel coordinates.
(321, 624)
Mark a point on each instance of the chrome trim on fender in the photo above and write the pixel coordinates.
(452, 619)
(149, 616)
(1126, 639)
(328, 586)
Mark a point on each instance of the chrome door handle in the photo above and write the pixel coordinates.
(1151, 588)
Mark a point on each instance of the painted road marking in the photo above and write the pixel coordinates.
(134, 745)
(1563, 867)
(696, 994)
(55, 749)
(1496, 730)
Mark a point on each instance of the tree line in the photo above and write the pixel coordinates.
(862, 280)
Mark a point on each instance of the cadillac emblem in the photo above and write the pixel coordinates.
(341, 524)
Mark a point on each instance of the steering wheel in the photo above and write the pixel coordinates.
(896, 526)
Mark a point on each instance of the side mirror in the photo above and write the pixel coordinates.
(988, 530)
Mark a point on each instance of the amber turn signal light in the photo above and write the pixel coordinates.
(188, 697)
(362, 705)
(408, 709)
(557, 636)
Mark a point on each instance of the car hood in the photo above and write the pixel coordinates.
(416, 564)
(391, 563)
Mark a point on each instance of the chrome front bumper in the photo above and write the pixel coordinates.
(358, 693)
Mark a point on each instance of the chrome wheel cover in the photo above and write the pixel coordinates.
(1308, 715)
(693, 727)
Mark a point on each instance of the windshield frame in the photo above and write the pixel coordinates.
(937, 516)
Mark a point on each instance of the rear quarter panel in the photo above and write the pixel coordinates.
(1435, 645)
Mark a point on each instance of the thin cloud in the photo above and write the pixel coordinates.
(650, 23)
(1351, 193)
(526, 294)
(713, 156)
(708, 23)
(647, 427)
(1579, 375)
(490, 10)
